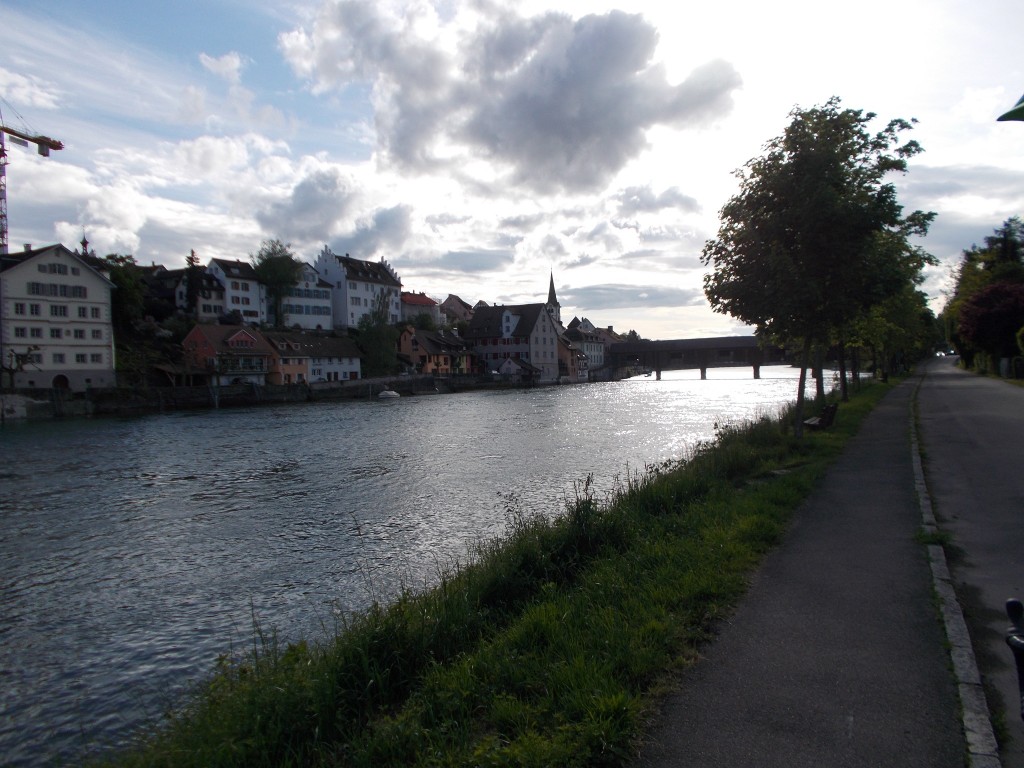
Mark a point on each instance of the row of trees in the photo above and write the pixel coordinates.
(984, 318)
(815, 251)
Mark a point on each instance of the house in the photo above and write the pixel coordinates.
(572, 363)
(55, 322)
(584, 337)
(227, 354)
(518, 371)
(437, 352)
(525, 332)
(358, 287)
(308, 303)
(455, 310)
(244, 294)
(312, 358)
(415, 305)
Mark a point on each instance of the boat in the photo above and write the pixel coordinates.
(387, 394)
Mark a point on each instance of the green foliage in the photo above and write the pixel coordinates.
(378, 339)
(127, 298)
(980, 317)
(278, 269)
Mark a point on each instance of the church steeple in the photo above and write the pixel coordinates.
(553, 305)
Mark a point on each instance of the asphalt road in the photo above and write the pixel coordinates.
(836, 656)
(972, 442)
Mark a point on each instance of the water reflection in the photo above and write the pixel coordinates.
(135, 552)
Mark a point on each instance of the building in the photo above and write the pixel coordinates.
(227, 354)
(55, 321)
(437, 352)
(358, 287)
(415, 305)
(584, 337)
(244, 294)
(311, 358)
(308, 304)
(526, 332)
(454, 310)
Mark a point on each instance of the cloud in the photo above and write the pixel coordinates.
(383, 234)
(483, 260)
(29, 91)
(617, 296)
(546, 104)
(316, 206)
(229, 66)
(634, 200)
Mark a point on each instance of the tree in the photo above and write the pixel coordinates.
(278, 269)
(127, 300)
(815, 237)
(193, 283)
(992, 317)
(378, 339)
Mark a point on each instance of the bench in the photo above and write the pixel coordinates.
(824, 421)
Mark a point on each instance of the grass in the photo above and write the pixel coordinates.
(549, 647)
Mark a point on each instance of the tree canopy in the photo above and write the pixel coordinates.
(815, 237)
(278, 269)
(984, 314)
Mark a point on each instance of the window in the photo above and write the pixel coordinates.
(97, 333)
(55, 333)
(19, 308)
(234, 285)
(79, 333)
(83, 312)
(58, 310)
(80, 357)
(35, 333)
(35, 309)
(96, 357)
(58, 358)
(20, 333)
(94, 313)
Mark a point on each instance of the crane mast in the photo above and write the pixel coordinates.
(43, 145)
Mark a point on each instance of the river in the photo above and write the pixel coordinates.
(136, 551)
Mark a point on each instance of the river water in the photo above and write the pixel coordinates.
(134, 552)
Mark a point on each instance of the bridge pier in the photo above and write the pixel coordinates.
(703, 373)
(657, 374)
(757, 371)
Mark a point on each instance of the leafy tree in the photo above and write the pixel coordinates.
(424, 321)
(278, 269)
(992, 317)
(378, 339)
(193, 283)
(127, 300)
(815, 236)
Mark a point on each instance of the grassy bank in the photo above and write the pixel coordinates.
(550, 648)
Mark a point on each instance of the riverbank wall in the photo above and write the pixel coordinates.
(43, 404)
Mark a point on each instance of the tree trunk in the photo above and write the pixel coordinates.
(798, 427)
(843, 388)
(819, 374)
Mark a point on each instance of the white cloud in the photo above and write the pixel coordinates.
(229, 66)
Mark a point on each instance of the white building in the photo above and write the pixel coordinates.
(357, 286)
(308, 304)
(243, 292)
(55, 323)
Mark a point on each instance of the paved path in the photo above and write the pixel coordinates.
(972, 438)
(837, 655)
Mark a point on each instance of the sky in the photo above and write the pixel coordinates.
(480, 146)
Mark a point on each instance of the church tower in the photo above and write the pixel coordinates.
(553, 306)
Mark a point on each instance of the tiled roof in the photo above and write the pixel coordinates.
(418, 299)
(486, 321)
(239, 269)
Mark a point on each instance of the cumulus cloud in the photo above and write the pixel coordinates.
(381, 235)
(316, 206)
(27, 90)
(552, 104)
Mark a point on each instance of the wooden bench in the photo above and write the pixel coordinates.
(824, 421)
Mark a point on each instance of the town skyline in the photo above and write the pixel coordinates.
(476, 145)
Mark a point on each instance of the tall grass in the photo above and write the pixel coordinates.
(546, 648)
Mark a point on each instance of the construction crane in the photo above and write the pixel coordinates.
(43, 145)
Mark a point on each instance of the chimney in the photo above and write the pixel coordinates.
(27, 247)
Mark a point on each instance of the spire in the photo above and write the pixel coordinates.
(552, 299)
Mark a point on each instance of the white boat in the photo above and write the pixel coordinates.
(387, 394)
